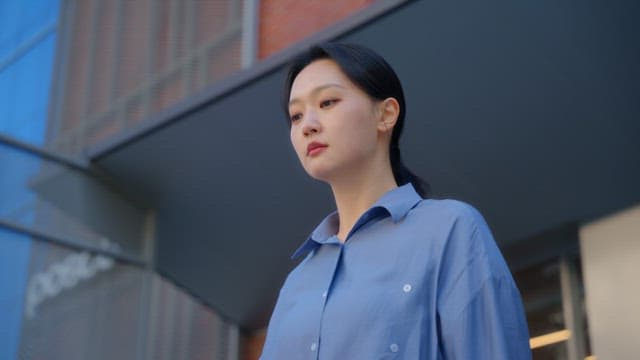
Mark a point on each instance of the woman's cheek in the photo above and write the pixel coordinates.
(297, 147)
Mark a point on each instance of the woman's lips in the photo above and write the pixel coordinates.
(315, 148)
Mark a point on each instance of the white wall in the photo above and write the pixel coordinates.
(611, 266)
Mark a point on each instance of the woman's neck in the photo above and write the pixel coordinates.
(356, 194)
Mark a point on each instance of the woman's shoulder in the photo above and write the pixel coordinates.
(448, 209)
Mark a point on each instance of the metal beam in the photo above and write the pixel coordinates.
(71, 244)
(28, 45)
(77, 164)
(250, 25)
(572, 308)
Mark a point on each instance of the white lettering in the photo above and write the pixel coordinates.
(64, 275)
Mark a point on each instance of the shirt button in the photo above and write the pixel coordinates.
(394, 348)
(324, 294)
(314, 346)
(406, 288)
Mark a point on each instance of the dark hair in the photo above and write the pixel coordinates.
(372, 74)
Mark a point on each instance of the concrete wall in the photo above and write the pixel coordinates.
(611, 267)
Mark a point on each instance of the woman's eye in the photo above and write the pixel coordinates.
(329, 102)
(295, 117)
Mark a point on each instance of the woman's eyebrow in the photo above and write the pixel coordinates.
(316, 90)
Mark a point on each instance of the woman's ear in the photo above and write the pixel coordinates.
(389, 110)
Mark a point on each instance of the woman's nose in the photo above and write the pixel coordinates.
(311, 124)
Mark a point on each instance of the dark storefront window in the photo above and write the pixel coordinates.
(550, 291)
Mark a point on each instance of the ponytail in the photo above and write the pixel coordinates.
(403, 175)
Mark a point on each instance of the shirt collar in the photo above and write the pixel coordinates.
(397, 202)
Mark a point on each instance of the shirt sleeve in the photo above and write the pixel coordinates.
(480, 312)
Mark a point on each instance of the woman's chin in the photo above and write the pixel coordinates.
(319, 176)
(319, 173)
(329, 174)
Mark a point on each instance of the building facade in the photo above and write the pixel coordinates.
(126, 181)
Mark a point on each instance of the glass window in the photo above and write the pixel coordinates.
(59, 303)
(28, 35)
(546, 299)
(67, 203)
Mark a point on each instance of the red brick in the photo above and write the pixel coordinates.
(284, 22)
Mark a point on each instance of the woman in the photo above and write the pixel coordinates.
(389, 275)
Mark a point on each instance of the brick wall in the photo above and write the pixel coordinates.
(129, 60)
(284, 22)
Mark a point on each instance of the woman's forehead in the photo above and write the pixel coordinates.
(318, 74)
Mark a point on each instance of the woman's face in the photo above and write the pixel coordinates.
(334, 124)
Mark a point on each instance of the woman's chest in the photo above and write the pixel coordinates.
(352, 298)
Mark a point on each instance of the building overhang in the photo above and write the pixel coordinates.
(505, 112)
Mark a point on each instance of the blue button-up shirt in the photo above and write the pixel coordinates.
(415, 279)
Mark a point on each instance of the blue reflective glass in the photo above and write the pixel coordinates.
(14, 261)
(66, 203)
(24, 19)
(27, 50)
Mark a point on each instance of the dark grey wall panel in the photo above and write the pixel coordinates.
(523, 109)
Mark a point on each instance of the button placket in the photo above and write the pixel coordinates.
(325, 294)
